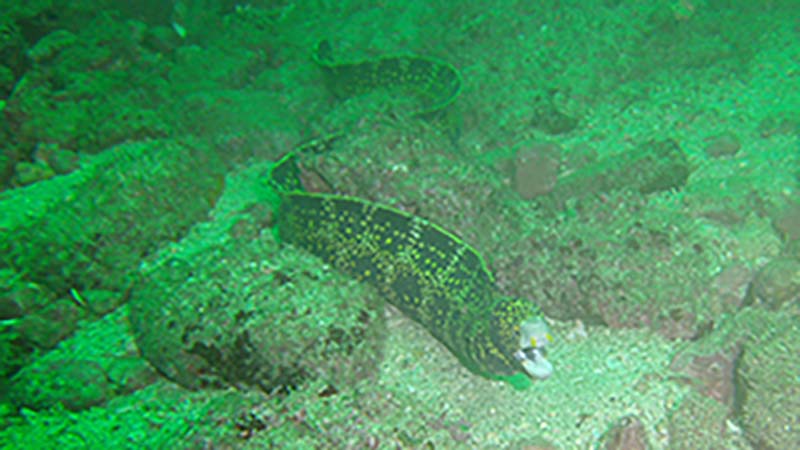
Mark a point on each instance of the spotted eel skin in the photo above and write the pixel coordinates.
(428, 273)
(436, 83)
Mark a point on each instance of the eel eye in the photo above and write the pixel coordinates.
(548, 339)
(534, 333)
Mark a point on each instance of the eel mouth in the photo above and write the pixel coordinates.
(534, 338)
(534, 362)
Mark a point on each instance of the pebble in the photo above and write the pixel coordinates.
(725, 144)
(536, 169)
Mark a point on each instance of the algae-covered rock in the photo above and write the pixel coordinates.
(622, 261)
(709, 368)
(91, 227)
(89, 88)
(46, 327)
(161, 416)
(60, 161)
(27, 173)
(94, 365)
(779, 123)
(792, 249)
(652, 167)
(627, 433)
(6, 81)
(545, 116)
(535, 168)
(723, 145)
(698, 422)
(74, 383)
(229, 306)
(767, 376)
(776, 284)
(786, 221)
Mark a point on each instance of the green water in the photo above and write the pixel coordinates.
(626, 172)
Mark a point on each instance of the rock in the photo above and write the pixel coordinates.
(76, 384)
(711, 374)
(91, 227)
(26, 173)
(787, 222)
(61, 161)
(129, 372)
(725, 144)
(536, 169)
(627, 433)
(776, 284)
(730, 288)
(653, 166)
(767, 374)
(25, 296)
(102, 302)
(724, 199)
(659, 166)
(47, 327)
(162, 39)
(623, 264)
(6, 162)
(779, 123)
(99, 361)
(698, 422)
(51, 45)
(545, 116)
(792, 249)
(227, 307)
(9, 308)
(7, 80)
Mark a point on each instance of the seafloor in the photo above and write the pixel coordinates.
(631, 167)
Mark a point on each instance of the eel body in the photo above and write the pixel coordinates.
(436, 84)
(428, 273)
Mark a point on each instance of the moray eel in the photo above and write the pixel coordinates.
(436, 84)
(425, 271)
